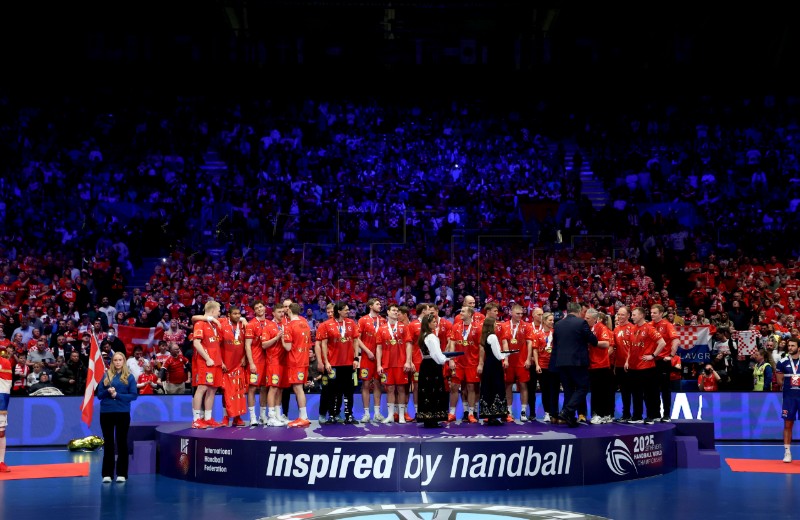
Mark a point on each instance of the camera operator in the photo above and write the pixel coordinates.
(708, 380)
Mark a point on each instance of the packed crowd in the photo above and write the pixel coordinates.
(348, 173)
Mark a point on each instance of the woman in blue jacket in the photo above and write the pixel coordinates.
(116, 391)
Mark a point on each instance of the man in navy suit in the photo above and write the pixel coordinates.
(571, 339)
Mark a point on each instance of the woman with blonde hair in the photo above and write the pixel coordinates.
(116, 391)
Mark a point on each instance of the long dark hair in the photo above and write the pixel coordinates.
(488, 328)
(427, 328)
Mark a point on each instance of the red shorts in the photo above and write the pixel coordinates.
(455, 376)
(205, 375)
(276, 376)
(394, 376)
(257, 379)
(367, 370)
(296, 375)
(471, 374)
(517, 374)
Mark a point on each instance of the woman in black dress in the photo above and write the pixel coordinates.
(492, 406)
(433, 399)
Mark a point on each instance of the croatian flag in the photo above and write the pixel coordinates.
(695, 343)
(748, 341)
(93, 376)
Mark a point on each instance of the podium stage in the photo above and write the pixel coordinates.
(409, 457)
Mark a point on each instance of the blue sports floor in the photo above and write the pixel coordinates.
(683, 494)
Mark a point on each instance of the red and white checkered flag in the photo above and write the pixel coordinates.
(748, 341)
(693, 335)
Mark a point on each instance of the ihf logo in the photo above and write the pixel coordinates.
(183, 458)
(619, 458)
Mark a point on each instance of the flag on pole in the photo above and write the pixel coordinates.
(96, 371)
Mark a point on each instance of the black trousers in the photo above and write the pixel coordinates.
(664, 368)
(115, 428)
(623, 381)
(601, 386)
(343, 390)
(644, 389)
(549, 384)
(575, 380)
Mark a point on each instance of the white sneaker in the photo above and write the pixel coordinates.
(596, 419)
(608, 419)
(787, 456)
(106, 480)
(379, 417)
(388, 420)
(263, 420)
(253, 421)
(274, 421)
(546, 417)
(402, 418)
(121, 479)
(365, 418)
(284, 420)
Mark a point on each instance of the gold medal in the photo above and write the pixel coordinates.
(236, 342)
(393, 341)
(514, 341)
(464, 342)
(343, 339)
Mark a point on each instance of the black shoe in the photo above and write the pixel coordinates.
(650, 420)
(349, 419)
(332, 420)
(569, 419)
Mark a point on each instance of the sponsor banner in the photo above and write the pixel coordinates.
(629, 456)
(472, 466)
(372, 466)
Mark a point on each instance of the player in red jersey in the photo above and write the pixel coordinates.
(369, 324)
(254, 347)
(234, 377)
(297, 343)
(393, 352)
(601, 378)
(326, 393)
(340, 357)
(6, 376)
(647, 343)
(664, 361)
(515, 334)
(275, 374)
(623, 335)
(465, 336)
(206, 367)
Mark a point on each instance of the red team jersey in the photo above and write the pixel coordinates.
(645, 341)
(298, 334)
(623, 336)
(467, 339)
(340, 337)
(598, 357)
(667, 331)
(392, 342)
(517, 337)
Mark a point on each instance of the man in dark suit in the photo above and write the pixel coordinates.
(571, 339)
